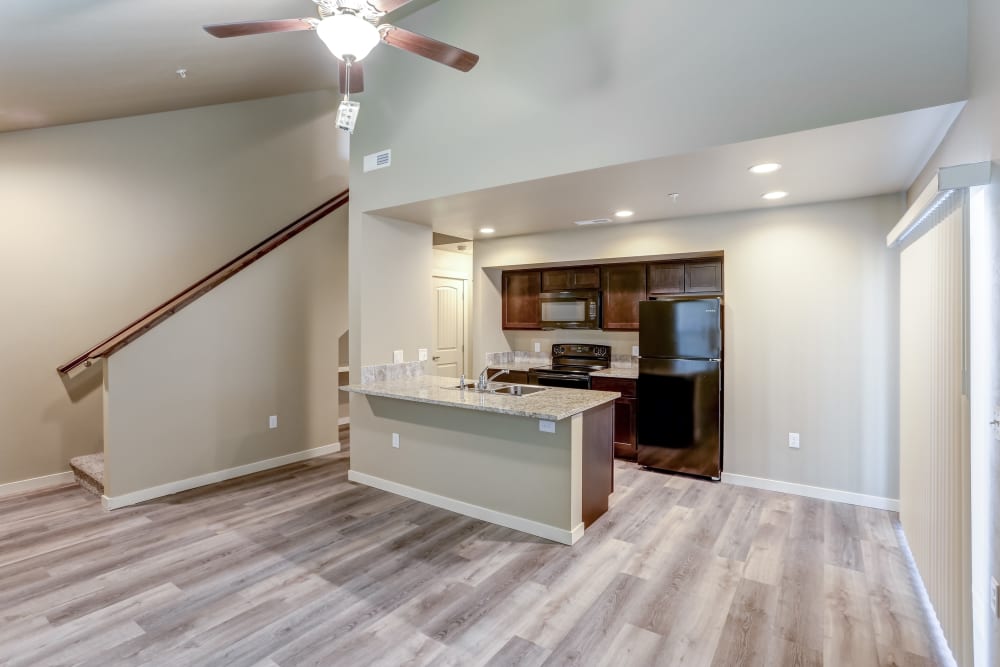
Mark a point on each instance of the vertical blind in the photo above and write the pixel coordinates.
(933, 408)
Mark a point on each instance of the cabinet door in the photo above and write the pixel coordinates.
(586, 277)
(665, 278)
(703, 277)
(521, 305)
(624, 438)
(577, 277)
(516, 377)
(555, 280)
(624, 288)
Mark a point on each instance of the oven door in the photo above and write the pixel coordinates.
(578, 309)
(550, 379)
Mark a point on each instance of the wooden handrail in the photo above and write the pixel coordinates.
(140, 326)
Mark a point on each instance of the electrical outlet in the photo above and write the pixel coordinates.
(546, 426)
(397, 356)
(793, 440)
(995, 597)
(635, 350)
(538, 347)
(395, 440)
(272, 421)
(421, 354)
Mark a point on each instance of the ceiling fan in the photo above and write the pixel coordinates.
(351, 29)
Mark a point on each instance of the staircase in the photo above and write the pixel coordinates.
(89, 472)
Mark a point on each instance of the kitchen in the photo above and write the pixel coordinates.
(794, 291)
(675, 308)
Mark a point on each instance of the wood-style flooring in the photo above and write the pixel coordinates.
(298, 566)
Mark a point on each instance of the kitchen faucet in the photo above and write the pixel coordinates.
(484, 382)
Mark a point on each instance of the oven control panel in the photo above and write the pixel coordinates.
(581, 350)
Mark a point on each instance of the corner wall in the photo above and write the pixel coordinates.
(102, 221)
(811, 330)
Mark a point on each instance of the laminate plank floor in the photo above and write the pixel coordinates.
(298, 566)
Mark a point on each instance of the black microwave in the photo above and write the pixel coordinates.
(571, 309)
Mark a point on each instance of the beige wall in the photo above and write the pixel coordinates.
(102, 221)
(810, 335)
(193, 395)
(489, 460)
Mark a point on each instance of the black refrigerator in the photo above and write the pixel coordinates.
(679, 394)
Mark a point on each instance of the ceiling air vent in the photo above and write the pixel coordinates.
(595, 221)
(378, 160)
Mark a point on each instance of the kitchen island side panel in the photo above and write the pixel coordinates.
(499, 462)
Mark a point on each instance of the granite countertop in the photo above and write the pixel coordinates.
(625, 373)
(554, 403)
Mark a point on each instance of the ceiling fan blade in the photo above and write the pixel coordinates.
(388, 5)
(241, 28)
(357, 77)
(446, 54)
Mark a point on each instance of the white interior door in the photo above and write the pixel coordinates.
(449, 326)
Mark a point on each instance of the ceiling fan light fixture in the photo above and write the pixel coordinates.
(347, 35)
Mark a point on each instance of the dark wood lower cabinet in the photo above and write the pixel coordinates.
(517, 377)
(624, 432)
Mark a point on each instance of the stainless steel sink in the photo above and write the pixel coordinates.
(518, 390)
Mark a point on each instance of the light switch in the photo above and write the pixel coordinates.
(421, 354)
(272, 421)
(635, 350)
(546, 426)
(538, 347)
(397, 356)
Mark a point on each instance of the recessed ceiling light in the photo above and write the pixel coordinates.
(624, 213)
(486, 230)
(765, 168)
(777, 194)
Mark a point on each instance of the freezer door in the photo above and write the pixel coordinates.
(683, 328)
(679, 416)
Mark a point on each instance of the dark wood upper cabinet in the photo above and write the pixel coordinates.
(624, 288)
(521, 305)
(703, 277)
(582, 277)
(665, 278)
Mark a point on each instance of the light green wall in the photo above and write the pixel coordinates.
(103, 221)
(193, 395)
(567, 85)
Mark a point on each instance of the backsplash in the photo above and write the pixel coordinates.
(500, 358)
(381, 372)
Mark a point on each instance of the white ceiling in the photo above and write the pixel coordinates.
(80, 60)
(869, 157)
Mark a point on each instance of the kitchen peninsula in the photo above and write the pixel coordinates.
(540, 462)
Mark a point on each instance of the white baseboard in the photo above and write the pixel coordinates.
(36, 483)
(126, 499)
(468, 509)
(818, 492)
(343, 420)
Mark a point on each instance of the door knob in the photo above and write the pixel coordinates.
(435, 358)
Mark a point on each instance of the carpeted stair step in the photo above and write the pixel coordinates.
(89, 472)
